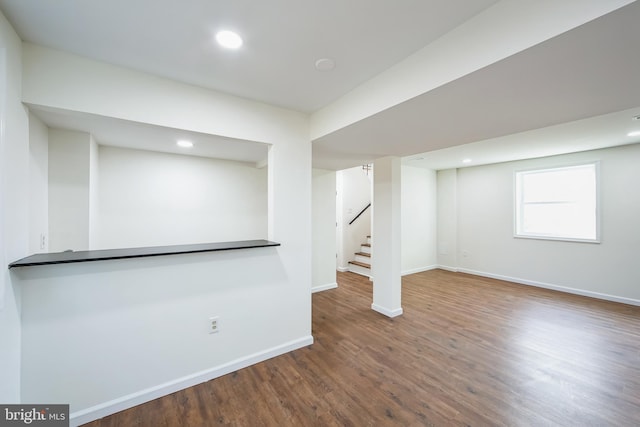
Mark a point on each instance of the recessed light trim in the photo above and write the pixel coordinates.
(183, 143)
(325, 64)
(466, 161)
(228, 39)
(634, 133)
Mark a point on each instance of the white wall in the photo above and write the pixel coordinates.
(14, 206)
(69, 190)
(153, 199)
(485, 229)
(38, 186)
(150, 311)
(418, 210)
(113, 329)
(447, 219)
(354, 193)
(324, 228)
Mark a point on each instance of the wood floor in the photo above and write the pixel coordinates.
(468, 351)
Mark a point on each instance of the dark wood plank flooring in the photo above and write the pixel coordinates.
(468, 351)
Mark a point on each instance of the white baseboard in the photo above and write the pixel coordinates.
(342, 269)
(419, 270)
(324, 287)
(566, 289)
(446, 267)
(389, 313)
(111, 407)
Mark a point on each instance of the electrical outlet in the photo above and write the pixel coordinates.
(43, 240)
(214, 325)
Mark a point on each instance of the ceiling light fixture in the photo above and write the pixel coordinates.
(636, 117)
(228, 39)
(634, 133)
(466, 160)
(184, 143)
(325, 64)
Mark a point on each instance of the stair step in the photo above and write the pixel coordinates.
(361, 264)
(366, 258)
(366, 244)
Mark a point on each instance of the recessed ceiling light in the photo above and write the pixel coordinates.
(325, 64)
(228, 39)
(636, 117)
(184, 143)
(466, 160)
(634, 133)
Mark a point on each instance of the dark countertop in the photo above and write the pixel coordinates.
(110, 254)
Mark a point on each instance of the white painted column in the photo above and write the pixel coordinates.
(386, 259)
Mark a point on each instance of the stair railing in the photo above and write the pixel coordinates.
(361, 212)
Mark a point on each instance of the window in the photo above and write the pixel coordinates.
(559, 203)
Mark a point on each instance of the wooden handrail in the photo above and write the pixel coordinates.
(361, 212)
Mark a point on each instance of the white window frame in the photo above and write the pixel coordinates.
(519, 204)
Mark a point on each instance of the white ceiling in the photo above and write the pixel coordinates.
(489, 115)
(282, 39)
(587, 72)
(608, 130)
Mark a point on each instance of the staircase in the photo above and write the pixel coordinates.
(362, 262)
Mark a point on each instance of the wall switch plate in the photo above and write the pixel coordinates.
(214, 325)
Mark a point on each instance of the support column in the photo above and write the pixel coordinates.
(386, 237)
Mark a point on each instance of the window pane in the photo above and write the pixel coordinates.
(557, 203)
(559, 185)
(559, 220)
